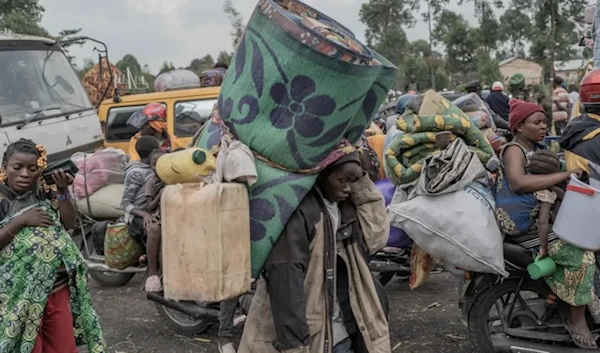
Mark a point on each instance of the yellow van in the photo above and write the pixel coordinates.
(187, 111)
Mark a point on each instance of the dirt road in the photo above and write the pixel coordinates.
(424, 320)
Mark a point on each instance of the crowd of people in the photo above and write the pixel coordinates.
(324, 248)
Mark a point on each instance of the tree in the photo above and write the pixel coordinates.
(68, 38)
(224, 58)
(489, 30)
(441, 78)
(24, 16)
(434, 8)
(481, 6)
(129, 62)
(199, 65)
(87, 65)
(166, 67)
(516, 30)
(385, 20)
(421, 47)
(557, 25)
(488, 70)
(237, 22)
(460, 42)
(21, 16)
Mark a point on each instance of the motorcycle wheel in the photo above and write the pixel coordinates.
(111, 279)
(385, 277)
(105, 279)
(182, 322)
(479, 317)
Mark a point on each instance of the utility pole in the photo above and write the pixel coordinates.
(431, 73)
(552, 36)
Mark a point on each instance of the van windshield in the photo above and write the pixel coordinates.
(35, 84)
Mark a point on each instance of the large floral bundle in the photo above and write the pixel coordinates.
(300, 90)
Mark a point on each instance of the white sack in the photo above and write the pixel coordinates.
(458, 227)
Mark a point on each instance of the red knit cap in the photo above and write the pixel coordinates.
(520, 110)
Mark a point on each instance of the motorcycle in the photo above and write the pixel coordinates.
(515, 314)
(393, 260)
(185, 317)
(192, 317)
(94, 256)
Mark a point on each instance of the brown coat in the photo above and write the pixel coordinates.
(259, 333)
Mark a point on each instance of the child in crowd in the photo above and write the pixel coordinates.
(546, 162)
(45, 298)
(154, 187)
(142, 223)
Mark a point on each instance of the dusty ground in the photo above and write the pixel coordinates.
(424, 320)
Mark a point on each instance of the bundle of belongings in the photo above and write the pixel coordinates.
(441, 167)
(98, 185)
(99, 82)
(476, 110)
(292, 96)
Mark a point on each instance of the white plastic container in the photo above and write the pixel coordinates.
(578, 220)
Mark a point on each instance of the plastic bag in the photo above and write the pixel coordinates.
(471, 103)
(176, 79)
(497, 141)
(420, 267)
(480, 118)
(98, 170)
(460, 228)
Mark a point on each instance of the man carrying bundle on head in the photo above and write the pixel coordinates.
(318, 289)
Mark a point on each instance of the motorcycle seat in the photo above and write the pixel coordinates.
(517, 255)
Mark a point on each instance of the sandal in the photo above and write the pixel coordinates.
(577, 338)
(153, 284)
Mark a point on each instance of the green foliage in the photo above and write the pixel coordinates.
(488, 33)
(236, 20)
(421, 48)
(22, 17)
(224, 58)
(68, 38)
(87, 66)
(150, 80)
(441, 78)
(557, 27)
(488, 69)
(460, 41)
(385, 20)
(516, 31)
(129, 62)
(166, 67)
(199, 65)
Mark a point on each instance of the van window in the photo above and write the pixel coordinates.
(191, 115)
(116, 123)
(36, 84)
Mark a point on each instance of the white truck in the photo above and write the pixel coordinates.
(42, 99)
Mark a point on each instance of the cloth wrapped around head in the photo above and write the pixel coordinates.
(520, 110)
(153, 114)
(158, 125)
(350, 157)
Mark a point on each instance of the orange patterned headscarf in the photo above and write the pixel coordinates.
(158, 125)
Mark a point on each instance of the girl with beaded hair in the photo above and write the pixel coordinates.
(45, 304)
